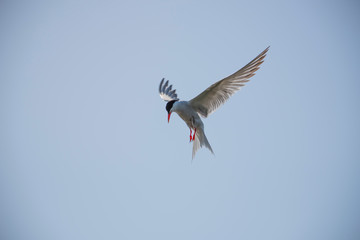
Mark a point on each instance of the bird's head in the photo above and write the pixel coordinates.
(169, 108)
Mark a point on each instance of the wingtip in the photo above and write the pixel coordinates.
(161, 83)
(266, 50)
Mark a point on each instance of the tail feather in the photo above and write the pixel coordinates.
(200, 141)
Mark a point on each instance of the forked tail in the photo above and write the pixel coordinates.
(200, 141)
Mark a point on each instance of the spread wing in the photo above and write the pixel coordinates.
(217, 94)
(165, 91)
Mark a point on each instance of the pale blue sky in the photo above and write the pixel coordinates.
(87, 153)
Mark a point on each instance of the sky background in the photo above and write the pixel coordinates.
(86, 151)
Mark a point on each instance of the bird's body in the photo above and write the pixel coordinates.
(193, 121)
(207, 101)
(188, 114)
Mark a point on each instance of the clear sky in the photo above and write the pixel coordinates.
(86, 151)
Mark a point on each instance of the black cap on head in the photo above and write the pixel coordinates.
(169, 105)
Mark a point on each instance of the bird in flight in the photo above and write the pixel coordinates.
(207, 101)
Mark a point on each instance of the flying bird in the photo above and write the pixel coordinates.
(207, 101)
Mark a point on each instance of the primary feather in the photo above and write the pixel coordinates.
(217, 94)
(165, 91)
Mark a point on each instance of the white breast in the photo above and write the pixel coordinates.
(188, 114)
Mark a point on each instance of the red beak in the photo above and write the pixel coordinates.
(169, 117)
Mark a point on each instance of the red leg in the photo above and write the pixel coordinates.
(193, 138)
(190, 135)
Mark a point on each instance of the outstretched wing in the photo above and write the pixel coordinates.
(217, 94)
(165, 91)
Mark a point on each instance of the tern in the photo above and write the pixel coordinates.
(208, 101)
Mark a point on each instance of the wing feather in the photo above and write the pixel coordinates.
(218, 93)
(166, 92)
